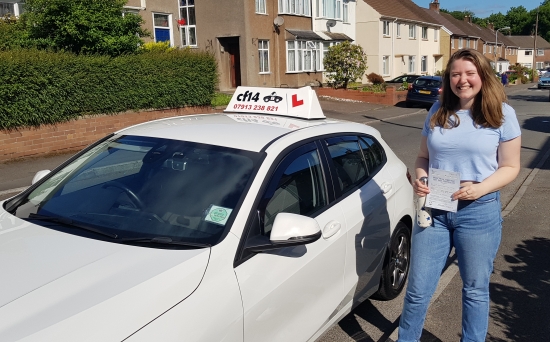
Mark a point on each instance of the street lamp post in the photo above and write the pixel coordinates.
(496, 42)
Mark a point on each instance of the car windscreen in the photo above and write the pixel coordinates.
(546, 75)
(421, 82)
(142, 187)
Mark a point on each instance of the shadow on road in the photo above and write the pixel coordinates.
(538, 124)
(522, 311)
(543, 97)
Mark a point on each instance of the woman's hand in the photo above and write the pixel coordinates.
(468, 192)
(420, 188)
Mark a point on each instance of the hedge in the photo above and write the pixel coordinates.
(40, 88)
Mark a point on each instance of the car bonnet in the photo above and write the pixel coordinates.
(52, 280)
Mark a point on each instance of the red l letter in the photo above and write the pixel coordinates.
(296, 102)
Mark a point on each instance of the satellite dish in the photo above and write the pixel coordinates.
(278, 21)
(330, 23)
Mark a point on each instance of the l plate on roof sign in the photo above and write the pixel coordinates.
(298, 103)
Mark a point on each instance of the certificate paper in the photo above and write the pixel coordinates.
(442, 184)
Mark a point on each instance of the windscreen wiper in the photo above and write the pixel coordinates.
(165, 241)
(70, 223)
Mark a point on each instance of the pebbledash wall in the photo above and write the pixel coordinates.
(76, 134)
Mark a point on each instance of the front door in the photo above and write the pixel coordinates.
(233, 51)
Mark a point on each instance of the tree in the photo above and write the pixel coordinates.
(345, 62)
(520, 21)
(83, 26)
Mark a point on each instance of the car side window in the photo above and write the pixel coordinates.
(348, 161)
(373, 152)
(297, 187)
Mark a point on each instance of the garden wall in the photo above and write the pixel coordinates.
(76, 134)
(391, 97)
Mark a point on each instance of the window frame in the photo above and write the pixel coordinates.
(386, 28)
(386, 65)
(295, 7)
(398, 30)
(423, 64)
(259, 4)
(167, 28)
(185, 30)
(412, 66)
(412, 31)
(301, 50)
(263, 47)
(424, 33)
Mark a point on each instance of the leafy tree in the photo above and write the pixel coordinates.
(344, 63)
(520, 21)
(498, 20)
(544, 20)
(82, 26)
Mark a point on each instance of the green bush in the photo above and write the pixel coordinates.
(376, 88)
(220, 99)
(40, 88)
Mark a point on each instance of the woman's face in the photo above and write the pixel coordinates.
(465, 82)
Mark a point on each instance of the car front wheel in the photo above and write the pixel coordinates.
(396, 268)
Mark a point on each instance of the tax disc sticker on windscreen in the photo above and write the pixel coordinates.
(218, 215)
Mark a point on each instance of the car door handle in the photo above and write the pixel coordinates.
(386, 187)
(331, 228)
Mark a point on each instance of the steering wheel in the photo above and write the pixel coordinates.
(131, 195)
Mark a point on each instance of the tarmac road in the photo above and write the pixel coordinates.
(521, 280)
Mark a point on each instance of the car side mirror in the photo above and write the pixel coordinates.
(288, 230)
(292, 227)
(39, 175)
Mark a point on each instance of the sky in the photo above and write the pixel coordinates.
(481, 8)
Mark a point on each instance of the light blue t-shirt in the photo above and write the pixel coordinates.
(468, 149)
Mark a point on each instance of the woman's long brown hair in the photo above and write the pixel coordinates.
(487, 107)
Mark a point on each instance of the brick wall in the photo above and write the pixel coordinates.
(389, 98)
(76, 134)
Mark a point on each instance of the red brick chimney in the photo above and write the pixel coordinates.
(468, 19)
(434, 5)
(490, 26)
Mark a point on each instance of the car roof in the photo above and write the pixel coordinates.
(439, 78)
(251, 121)
(244, 131)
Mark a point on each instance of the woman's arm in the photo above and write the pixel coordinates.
(508, 169)
(421, 168)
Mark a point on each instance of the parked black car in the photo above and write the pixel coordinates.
(404, 78)
(424, 91)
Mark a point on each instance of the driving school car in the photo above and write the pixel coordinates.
(262, 223)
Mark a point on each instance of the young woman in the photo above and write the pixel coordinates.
(473, 131)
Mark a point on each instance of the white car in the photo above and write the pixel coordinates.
(268, 222)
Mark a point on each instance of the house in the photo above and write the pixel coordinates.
(11, 7)
(527, 46)
(398, 38)
(269, 43)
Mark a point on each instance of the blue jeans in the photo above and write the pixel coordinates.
(474, 231)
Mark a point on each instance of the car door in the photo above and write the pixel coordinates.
(290, 293)
(363, 191)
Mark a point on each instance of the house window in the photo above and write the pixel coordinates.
(161, 27)
(540, 65)
(345, 15)
(411, 64)
(452, 43)
(424, 64)
(475, 44)
(412, 31)
(468, 43)
(386, 65)
(528, 53)
(436, 35)
(460, 43)
(299, 7)
(263, 53)
(304, 55)
(484, 48)
(188, 23)
(386, 28)
(331, 8)
(424, 33)
(7, 8)
(540, 52)
(398, 30)
(260, 6)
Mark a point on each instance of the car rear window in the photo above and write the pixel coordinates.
(422, 82)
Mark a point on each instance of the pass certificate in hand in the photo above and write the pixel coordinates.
(442, 184)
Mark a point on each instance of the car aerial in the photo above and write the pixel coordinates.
(262, 223)
(424, 91)
(403, 78)
(544, 81)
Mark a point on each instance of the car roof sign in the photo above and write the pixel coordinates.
(298, 103)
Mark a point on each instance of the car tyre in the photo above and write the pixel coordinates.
(408, 104)
(538, 86)
(396, 267)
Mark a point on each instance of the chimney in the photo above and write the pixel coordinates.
(468, 19)
(434, 5)
(490, 26)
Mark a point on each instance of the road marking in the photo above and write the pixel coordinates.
(396, 117)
